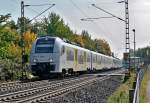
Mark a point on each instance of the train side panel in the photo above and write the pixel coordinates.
(74, 58)
(67, 57)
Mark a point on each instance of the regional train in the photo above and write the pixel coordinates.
(53, 55)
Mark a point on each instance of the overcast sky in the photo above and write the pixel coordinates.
(112, 30)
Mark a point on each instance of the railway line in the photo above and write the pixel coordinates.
(42, 91)
(46, 92)
(18, 86)
(40, 88)
(45, 97)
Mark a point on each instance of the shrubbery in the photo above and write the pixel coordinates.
(11, 70)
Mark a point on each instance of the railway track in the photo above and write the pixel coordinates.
(42, 91)
(44, 98)
(25, 94)
(6, 88)
(13, 87)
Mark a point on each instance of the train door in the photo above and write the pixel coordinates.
(76, 59)
(91, 61)
(85, 60)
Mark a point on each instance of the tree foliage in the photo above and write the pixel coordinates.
(53, 25)
(102, 46)
(29, 37)
(144, 53)
(8, 40)
(4, 18)
(79, 40)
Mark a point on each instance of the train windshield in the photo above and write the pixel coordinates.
(45, 45)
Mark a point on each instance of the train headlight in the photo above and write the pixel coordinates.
(35, 60)
(51, 60)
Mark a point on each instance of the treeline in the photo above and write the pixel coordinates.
(144, 53)
(53, 25)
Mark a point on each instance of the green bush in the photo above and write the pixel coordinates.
(11, 70)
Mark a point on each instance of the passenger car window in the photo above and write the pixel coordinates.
(62, 50)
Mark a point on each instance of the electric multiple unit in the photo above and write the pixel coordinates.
(54, 55)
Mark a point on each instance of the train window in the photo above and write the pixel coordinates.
(94, 58)
(88, 58)
(45, 49)
(62, 50)
(76, 53)
(80, 58)
(99, 60)
(44, 45)
(70, 55)
(104, 60)
(85, 56)
(43, 41)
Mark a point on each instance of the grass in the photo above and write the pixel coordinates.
(121, 95)
(143, 88)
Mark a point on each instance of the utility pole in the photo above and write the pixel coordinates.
(127, 37)
(22, 26)
(134, 46)
(127, 43)
(22, 33)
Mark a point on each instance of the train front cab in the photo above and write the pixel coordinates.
(44, 57)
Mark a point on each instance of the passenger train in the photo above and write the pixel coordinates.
(53, 55)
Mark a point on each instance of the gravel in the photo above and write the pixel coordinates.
(98, 92)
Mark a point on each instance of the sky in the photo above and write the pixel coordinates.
(110, 29)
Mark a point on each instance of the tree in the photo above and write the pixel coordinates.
(144, 53)
(38, 28)
(55, 26)
(8, 38)
(12, 25)
(27, 24)
(78, 39)
(88, 42)
(29, 38)
(102, 46)
(4, 18)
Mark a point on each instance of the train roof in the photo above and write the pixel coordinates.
(74, 45)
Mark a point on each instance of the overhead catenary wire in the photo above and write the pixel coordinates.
(17, 3)
(30, 9)
(39, 18)
(107, 12)
(42, 12)
(86, 19)
(107, 17)
(93, 19)
(85, 15)
(76, 6)
(38, 5)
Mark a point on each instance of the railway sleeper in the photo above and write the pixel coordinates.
(48, 88)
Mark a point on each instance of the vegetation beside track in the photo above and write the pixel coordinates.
(143, 88)
(52, 25)
(121, 95)
(11, 70)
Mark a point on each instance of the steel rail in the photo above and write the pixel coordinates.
(26, 93)
(58, 92)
